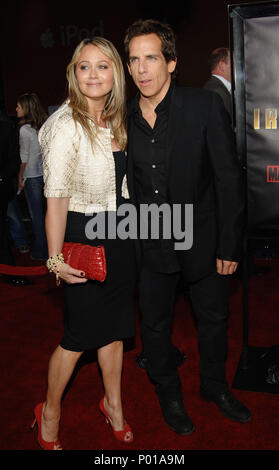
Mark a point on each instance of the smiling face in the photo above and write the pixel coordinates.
(94, 74)
(148, 67)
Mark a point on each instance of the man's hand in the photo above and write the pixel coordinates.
(226, 267)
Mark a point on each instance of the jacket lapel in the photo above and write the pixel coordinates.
(130, 172)
(173, 124)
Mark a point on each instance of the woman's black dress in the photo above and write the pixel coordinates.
(98, 313)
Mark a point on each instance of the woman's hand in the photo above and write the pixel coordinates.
(20, 176)
(20, 183)
(71, 275)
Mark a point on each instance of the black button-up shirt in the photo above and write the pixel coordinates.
(149, 156)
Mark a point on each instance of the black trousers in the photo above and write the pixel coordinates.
(209, 298)
(6, 256)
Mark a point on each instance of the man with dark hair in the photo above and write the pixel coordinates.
(180, 151)
(220, 80)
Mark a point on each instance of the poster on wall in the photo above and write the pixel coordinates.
(254, 42)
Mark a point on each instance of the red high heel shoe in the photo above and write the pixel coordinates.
(46, 445)
(120, 435)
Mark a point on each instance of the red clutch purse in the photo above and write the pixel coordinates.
(89, 259)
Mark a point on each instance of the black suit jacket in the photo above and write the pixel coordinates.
(9, 159)
(203, 170)
(216, 85)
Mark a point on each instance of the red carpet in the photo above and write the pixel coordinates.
(31, 327)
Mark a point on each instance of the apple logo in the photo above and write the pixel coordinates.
(47, 39)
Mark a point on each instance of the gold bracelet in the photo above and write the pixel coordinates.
(53, 264)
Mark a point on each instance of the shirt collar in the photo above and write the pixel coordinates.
(162, 106)
(224, 81)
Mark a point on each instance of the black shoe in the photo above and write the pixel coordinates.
(180, 357)
(24, 249)
(176, 416)
(229, 406)
(16, 280)
(141, 360)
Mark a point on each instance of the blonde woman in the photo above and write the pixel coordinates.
(30, 179)
(84, 161)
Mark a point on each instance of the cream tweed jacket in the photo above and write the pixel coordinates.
(73, 169)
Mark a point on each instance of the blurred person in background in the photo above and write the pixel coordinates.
(30, 179)
(9, 165)
(220, 81)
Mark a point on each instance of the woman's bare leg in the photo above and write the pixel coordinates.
(110, 359)
(61, 367)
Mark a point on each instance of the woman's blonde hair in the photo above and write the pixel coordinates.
(114, 110)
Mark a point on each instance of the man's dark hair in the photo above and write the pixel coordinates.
(162, 30)
(218, 55)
